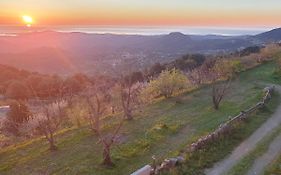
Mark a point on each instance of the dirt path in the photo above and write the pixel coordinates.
(249, 144)
(272, 153)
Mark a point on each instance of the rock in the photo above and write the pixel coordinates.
(267, 89)
(173, 161)
(180, 159)
(192, 148)
(168, 163)
(146, 170)
(164, 165)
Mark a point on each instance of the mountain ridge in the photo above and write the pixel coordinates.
(103, 52)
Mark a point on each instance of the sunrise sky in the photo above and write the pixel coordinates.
(227, 13)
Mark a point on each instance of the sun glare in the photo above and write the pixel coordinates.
(27, 20)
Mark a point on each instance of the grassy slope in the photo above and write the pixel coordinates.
(274, 168)
(79, 153)
(205, 158)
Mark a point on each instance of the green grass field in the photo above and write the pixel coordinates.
(143, 137)
(274, 168)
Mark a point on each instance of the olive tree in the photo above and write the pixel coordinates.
(128, 90)
(98, 98)
(17, 116)
(168, 83)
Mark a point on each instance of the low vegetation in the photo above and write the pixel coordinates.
(245, 164)
(274, 167)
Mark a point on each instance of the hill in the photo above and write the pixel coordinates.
(161, 129)
(8, 73)
(43, 59)
(270, 36)
(90, 52)
(56, 52)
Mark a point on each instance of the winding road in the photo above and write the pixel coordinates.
(272, 153)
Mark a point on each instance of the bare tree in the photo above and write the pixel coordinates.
(199, 75)
(129, 92)
(221, 75)
(48, 113)
(107, 143)
(98, 100)
(218, 92)
(49, 121)
(70, 99)
(72, 89)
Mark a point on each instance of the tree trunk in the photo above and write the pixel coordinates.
(106, 157)
(216, 102)
(128, 114)
(76, 118)
(216, 105)
(78, 122)
(53, 147)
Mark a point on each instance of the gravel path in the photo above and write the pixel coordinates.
(249, 144)
(273, 152)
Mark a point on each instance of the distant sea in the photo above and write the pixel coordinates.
(135, 30)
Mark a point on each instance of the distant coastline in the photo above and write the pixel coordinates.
(135, 30)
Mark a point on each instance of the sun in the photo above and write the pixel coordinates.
(27, 20)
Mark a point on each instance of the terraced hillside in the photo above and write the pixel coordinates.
(161, 129)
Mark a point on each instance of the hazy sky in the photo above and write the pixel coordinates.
(228, 13)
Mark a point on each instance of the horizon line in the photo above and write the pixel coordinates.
(137, 30)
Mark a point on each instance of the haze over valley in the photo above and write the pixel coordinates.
(65, 53)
